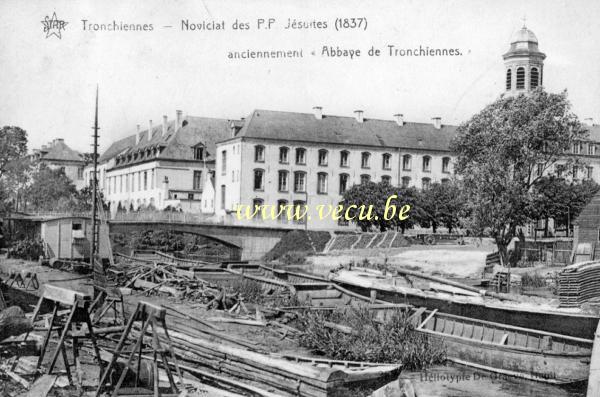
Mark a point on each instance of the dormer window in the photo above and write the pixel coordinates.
(199, 153)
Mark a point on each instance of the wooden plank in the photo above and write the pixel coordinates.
(428, 318)
(63, 295)
(41, 387)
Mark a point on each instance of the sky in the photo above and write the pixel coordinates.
(48, 84)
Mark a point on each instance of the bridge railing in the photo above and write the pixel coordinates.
(186, 217)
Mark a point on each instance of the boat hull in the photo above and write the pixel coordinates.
(508, 361)
(571, 324)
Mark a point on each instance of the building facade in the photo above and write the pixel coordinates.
(169, 165)
(57, 155)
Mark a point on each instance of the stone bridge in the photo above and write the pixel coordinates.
(253, 241)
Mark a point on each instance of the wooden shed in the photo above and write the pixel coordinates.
(70, 237)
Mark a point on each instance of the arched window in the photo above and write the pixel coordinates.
(282, 211)
(283, 181)
(508, 79)
(259, 179)
(343, 183)
(426, 164)
(344, 158)
(406, 162)
(323, 157)
(257, 205)
(405, 181)
(446, 165)
(365, 159)
(300, 212)
(300, 156)
(386, 161)
(386, 179)
(322, 183)
(534, 78)
(425, 183)
(364, 178)
(520, 78)
(283, 155)
(259, 153)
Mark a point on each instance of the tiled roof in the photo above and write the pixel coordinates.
(176, 144)
(59, 151)
(268, 124)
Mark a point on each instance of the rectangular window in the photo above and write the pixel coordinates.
(386, 179)
(344, 159)
(405, 181)
(323, 157)
(80, 173)
(590, 171)
(343, 183)
(591, 149)
(406, 162)
(364, 160)
(283, 181)
(299, 182)
(259, 154)
(197, 180)
(426, 164)
(145, 180)
(322, 183)
(259, 179)
(223, 191)
(300, 156)
(120, 183)
(224, 162)
(152, 178)
(365, 178)
(575, 172)
(199, 153)
(386, 162)
(283, 155)
(139, 178)
(446, 165)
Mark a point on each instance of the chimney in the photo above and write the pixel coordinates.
(179, 118)
(358, 114)
(399, 119)
(437, 122)
(588, 121)
(149, 131)
(137, 135)
(165, 125)
(318, 112)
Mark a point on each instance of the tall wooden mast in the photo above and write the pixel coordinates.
(95, 260)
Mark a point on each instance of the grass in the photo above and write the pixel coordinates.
(298, 241)
(394, 341)
(533, 279)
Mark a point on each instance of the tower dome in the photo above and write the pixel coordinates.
(523, 62)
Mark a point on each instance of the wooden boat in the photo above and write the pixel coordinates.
(508, 350)
(548, 318)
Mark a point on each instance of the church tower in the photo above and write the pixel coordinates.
(524, 63)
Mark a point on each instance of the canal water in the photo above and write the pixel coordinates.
(460, 381)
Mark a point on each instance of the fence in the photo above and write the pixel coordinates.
(551, 252)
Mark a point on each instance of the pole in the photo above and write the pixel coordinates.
(94, 257)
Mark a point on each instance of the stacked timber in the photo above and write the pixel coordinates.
(579, 283)
(284, 377)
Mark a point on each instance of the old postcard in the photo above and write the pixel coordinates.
(300, 198)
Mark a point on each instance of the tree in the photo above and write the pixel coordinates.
(83, 199)
(500, 151)
(376, 195)
(51, 190)
(13, 146)
(439, 205)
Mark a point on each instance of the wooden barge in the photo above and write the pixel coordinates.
(507, 350)
(568, 322)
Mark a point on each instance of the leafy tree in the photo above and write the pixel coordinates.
(83, 199)
(439, 205)
(375, 195)
(50, 190)
(499, 151)
(13, 146)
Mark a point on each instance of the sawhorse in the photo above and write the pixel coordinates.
(151, 316)
(79, 315)
(30, 279)
(14, 276)
(112, 299)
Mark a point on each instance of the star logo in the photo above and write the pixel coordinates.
(53, 26)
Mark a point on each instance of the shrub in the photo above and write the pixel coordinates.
(394, 341)
(533, 279)
(29, 249)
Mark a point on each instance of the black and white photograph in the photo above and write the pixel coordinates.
(300, 198)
